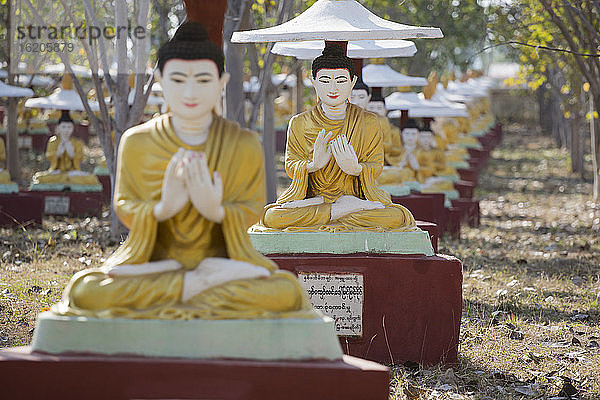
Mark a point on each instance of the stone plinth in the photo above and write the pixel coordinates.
(41, 376)
(20, 209)
(411, 305)
(416, 242)
(469, 175)
(257, 339)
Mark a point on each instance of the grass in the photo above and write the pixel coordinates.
(530, 327)
(531, 289)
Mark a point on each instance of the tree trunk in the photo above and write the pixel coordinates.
(12, 140)
(238, 13)
(576, 156)
(595, 143)
(299, 91)
(12, 135)
(269, 143)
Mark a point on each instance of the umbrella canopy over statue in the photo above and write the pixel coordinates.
(14, 91)
(382, 75)
(63, 98)
(418, 107)
(356, 49)
(335, 20)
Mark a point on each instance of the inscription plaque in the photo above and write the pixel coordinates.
(339, 296)
(56, 205)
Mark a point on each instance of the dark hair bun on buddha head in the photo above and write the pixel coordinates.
(361, 85)
(410, 124)
(333, 57)
(191, 42)
(377, 96)
(65, 117)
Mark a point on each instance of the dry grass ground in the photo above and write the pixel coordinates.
(530, 327)
(531, 314)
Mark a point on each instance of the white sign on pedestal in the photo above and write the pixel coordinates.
(56, 205)
(339, 296)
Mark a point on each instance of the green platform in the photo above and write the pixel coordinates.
(9, 188)
(258, 339)
(396, 190)
(416, 242)
(59, 187)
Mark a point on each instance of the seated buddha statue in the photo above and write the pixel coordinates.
(433, 172)
(65, 154)
(334, 154)
(392, 143)
(446, 133)
(189, 184)
(4, 174)
(406, 169)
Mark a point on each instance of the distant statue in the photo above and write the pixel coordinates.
(334, 154)
(189, 184)
(64, 152)
(4, 174)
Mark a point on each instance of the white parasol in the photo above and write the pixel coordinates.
(382, 75)
(356, 49)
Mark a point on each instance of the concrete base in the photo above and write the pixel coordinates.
(412, 305)
(106, 189)
(39, 376)
(396, 190)
(8, 188)
(416, 242)
(20, 209)
(60, 187)
(258, 339)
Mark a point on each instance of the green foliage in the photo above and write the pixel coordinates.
(463, 22)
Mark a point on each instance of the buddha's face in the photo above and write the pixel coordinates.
(410, 137)
(191, 88)
(378, 107)
(333, 86)
(64, 130)
(427, 140)
(360, 97)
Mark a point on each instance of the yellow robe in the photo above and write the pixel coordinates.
(187, 237)
(363, 131)
(4, 175)
(65, 164)
(392, 142)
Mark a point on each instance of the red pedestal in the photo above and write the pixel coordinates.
(432, 228)
(412, 305)
(465, 189)
(41, 376)
(425, 207)
(20, 209)
(280, 140)
(77, 204)
(39, 143)
(106, 192)
(470, 210)
(469, 174)
(455, 216)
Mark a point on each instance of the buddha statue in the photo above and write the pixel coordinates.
(447, 135)
(433, 170)
(334, 154)
(405, 170)
(4, 174)
(189, 184)
(64, 152)
(392, 144)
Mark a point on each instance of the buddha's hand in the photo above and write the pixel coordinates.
(414, 163)
(70, 149)
(321, 152)
(344, 155)
(206, 192)
(61, 148)
(173, 196)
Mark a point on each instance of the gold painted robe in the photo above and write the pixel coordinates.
(187, 237)
(393, 150)
(363, 131)
(4, 175)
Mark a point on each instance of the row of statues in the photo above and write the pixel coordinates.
(190, 184)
